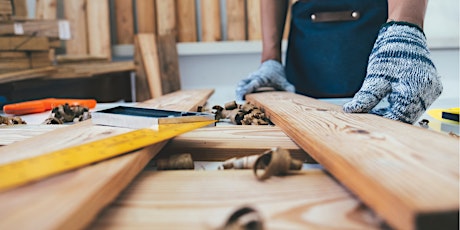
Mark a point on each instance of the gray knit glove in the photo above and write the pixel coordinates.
(270, 74)
(400, 67)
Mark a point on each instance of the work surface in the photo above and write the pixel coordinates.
(204, 199)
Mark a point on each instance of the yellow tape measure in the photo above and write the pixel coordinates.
(32, 169)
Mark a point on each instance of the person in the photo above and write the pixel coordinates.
(397, 65)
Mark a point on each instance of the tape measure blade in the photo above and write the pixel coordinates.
(33, 169)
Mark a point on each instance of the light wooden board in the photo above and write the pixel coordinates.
(24, 43)
(157, 58)
(166, 17)
(124, 21)
(99, 43)
(75, 13)
(254, 20)
(210, 21)
(78, 70)
(220, 143)
(186, 21)
(27, 74)
(72, 200)
(236, 20)
(205, 200)
(36, 28)
(14, 133)
(20, 8)
(407, 174)
(146, 16)
(46, 9)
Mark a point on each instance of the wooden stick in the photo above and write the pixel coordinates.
(73, 199)
(407, 174)
(46, 9)
(75, 13)
(99, 43)
(254, 21)
(146, 16)
(124, 21)
(166, 16)
(210, 21)
(186, 21)
(236, 20)
(223, 142)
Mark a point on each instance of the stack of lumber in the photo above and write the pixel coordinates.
(6, 10)
(29, 43)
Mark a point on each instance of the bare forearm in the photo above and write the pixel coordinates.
(412, 11)
(273, 16)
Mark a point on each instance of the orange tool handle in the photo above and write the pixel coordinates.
(42, 105)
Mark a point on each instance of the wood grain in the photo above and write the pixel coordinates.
(46, 9)
(73, 199)
(124, 21)
(186, 21)
(24, 43)
(27, 74)
(75, 13)
(408, 175)
(14, 133)
(158, 59)
(99, 44)
(210, 21)
(205, 199)
(146, 16)
(236, 20)
(223, 142)
(254, 20)
(20, 8)
(166, 17)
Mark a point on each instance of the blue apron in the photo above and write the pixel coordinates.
(329, 45)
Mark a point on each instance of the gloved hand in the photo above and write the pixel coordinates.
(400, 67)
(270, 74)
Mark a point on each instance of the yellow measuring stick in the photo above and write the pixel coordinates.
(32, 169)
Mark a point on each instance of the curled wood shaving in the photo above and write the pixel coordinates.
(66, 113)
(244, 218)
(245, 114)
(11, 120)
(275, 162)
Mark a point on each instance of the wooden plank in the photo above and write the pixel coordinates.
(124, 21)
(36, 28)
(99, 43)
(142, 83)
(169, 63)
(210, 21)
(78, 70)
(26, 74)
(146, 16)
(20, 8)
(185, 199)
(5, 7)
(223, 142)
(236, 20)
(75, 13)
(186, 21)
(46, 9)
(166, 17)
(407, 174)
(254, 20)
(72, 200)
(15, 133)
(160, 63)
(24, 43)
